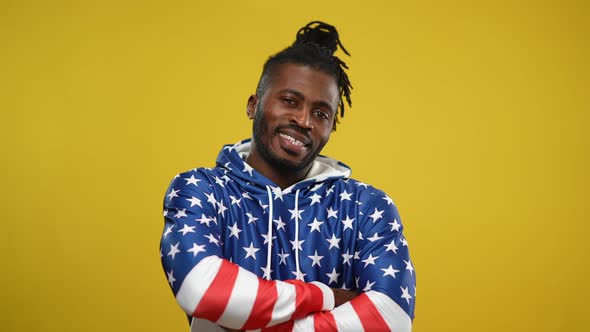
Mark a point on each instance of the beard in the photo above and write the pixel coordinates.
(260, 131)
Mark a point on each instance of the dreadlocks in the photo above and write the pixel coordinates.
(314, 46)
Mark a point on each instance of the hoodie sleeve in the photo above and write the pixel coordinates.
(210, 287)
(384, 273)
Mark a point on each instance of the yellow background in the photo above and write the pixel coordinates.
(472, 115)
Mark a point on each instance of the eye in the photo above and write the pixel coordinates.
(321, 114)
(289, 101)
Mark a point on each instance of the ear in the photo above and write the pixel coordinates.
(251, 107)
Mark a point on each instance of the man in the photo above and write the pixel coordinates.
(277, 237)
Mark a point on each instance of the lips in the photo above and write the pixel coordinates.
(294, 137)
(291, 139)
(293, 142)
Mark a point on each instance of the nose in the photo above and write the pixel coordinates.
(303, 118)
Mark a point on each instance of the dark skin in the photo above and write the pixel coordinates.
(298, 110)
(293, 120)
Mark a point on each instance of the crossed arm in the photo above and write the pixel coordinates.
(210, 287)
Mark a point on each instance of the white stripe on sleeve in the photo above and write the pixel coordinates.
(241, 300)
(395, 317)
(196, 283)
(304, 324)
(328, 296)
(285, 305)
(350, 321)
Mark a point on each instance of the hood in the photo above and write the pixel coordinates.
(233, 159)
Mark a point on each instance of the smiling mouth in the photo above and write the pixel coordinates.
(292, 140)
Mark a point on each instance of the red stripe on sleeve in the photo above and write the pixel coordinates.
(324, 321)
(261, 313)
(368, 314)
(217, 295)
(309, 298)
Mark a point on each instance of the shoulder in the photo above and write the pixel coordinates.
(365, 191)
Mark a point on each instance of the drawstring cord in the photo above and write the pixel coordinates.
(269, 247)
(297, 234)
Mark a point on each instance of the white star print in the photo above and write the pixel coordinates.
(331, 212)
(248, 168)
(263, 206)
(173, 193)
(235, 200)
(187, 229)
(406, 294)
(211, 199)
(345, 196)
(167, 231)
(316, 259)
(246, 195)
(315, 198)
(265, 236)
(377, 215)
(251, 251)
(221, 208)
(315, 225)
(299, 275)
(212, 239)
(333, 276)
(375, 237)
(251, 218)
(347, 223)
(404, 242)
(362, 184)
(203, 219)
(283, 257)
(173, 250)
(219, 182)
(346, 257)
(391, 247)
(171, 279)
(389, 201)
(368, 286)
(267, 272)
(329, 191)
(280, 223)
(409, 266)
(317, 186)
(194, 201)
(165, 212)
(357, 255)
(390, 271)
(395, 225)
(234, 231)
(296, 244)
(192, 180)
(334, 242)
(180, 213)
(298, 214)
(370, 260)
(278, 193)
(197, 249)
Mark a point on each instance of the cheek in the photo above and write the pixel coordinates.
(324, 136)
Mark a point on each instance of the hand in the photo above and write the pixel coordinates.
(342, 296)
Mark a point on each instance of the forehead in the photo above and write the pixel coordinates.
(313, 83)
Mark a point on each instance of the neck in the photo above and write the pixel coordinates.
(283, 177)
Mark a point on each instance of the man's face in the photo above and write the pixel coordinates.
(294, 118)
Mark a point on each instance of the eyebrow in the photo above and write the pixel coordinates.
(301, 96)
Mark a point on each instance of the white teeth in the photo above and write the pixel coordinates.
(291, 139)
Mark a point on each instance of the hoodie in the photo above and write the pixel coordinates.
(241, 253)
